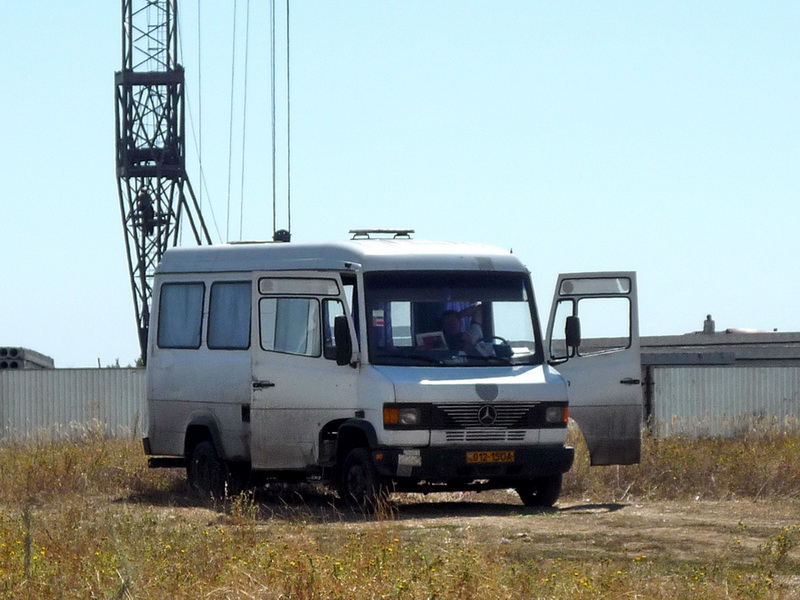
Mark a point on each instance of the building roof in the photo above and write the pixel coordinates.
(729, 347)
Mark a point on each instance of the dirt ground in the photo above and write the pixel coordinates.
(693, 531)
(681, 531)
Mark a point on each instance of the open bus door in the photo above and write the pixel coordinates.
(593, 341)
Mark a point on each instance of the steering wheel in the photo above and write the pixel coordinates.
(503, 341)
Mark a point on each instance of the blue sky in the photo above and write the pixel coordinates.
(656, 137)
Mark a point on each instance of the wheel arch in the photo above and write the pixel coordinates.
(354, 433)
(203, 428)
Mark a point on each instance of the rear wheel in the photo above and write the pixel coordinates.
(359, 484)
(207, 472)
(542, 491)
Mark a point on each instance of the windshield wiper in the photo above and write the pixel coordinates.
(389, 358)
(500, 359)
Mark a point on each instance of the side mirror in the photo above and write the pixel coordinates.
(572, 332)
(341, 336)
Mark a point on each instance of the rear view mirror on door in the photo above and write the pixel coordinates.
(341, 335)
(572, 332)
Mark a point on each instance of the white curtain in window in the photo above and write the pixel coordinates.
(180, 315)
(296, 326)
(229, 318)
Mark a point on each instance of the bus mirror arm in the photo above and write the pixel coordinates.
(341, 336)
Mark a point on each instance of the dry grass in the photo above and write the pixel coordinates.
(87, 519)
(759, 463)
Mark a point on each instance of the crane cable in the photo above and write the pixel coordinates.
(197, 132)
(244, 115)
(288, 133)
(288, 123)
(272, 99)
(199, 96)
(230, 126)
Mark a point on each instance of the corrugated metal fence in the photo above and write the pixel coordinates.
(703, 400)
(33, 402)
(724, 401)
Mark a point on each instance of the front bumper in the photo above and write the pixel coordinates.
(450, 466)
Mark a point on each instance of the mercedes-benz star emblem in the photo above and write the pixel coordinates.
(487, 414)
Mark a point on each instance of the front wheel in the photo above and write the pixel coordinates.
(542, 491)
(359, 484)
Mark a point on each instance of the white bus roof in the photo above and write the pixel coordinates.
(370, 255)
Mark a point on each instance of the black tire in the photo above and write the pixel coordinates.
(239, 477)
(359, 484)
(541, 492)
(207, 472)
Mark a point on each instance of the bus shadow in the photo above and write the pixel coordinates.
(316, 504)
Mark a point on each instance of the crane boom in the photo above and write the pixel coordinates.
(155, 195)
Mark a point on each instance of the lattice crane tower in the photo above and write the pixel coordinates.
(156, 198)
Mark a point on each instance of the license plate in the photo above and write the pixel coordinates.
(500, 456)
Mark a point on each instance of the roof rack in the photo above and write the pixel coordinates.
(364, 234)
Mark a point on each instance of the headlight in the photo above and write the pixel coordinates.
(398, 416)
(556, 414)
(409, 416)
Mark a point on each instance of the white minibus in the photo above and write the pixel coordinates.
(385, 365)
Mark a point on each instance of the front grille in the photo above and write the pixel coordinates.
(516, 415)
(485, 435)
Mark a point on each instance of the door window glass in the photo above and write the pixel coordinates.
(290, 325)
(558, 342)
(288, 285)
(595, 286)
(330, 310)
(605, 324)
(229, 315)
(180, 315)
(351, 300)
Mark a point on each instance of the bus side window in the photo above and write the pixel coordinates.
(180, 315)
(229, 315)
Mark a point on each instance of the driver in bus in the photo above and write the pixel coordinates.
(456, 338)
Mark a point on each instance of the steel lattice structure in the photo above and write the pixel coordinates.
(155, 195)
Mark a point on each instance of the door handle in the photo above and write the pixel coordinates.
(260, 385)
(630, 381)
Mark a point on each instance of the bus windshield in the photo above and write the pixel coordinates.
(451, 318)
